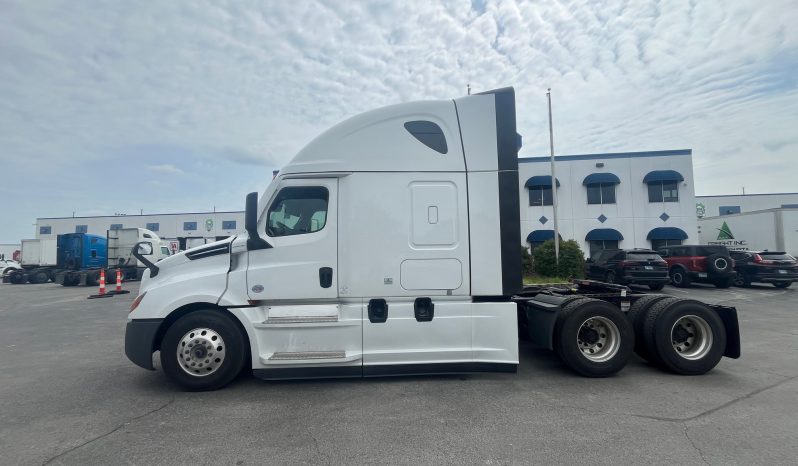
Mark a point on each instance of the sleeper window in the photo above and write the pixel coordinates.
(298, 210)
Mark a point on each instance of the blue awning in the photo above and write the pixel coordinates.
(662, 175)
(540, 235)
(667, 233)
(601, 178)
(538, 181)
(604, 234)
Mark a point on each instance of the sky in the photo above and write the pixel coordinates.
(181, 106)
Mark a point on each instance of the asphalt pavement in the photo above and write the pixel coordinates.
(68, 395)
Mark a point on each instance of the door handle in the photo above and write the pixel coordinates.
(378, 311)
(325, 277)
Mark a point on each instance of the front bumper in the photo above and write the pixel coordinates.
(647, 277)
(774, 277)
(140, 341)
(711, 276)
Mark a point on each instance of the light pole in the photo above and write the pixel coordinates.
(553, 185)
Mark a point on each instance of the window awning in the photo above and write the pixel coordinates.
(601, 178)
(667, 233)
(662, 175)
(604, 234)
(540, 235)
(540, 180)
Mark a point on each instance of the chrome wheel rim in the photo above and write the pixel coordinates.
(598, 339)
(201, 352)
(691, 337)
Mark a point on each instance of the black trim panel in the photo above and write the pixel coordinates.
(439, 368)
(510, 232)
(140, 341)
(208, 251)
(287, 373)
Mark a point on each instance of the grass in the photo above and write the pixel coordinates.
(538, 280)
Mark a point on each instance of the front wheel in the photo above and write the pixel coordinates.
(203, 350)
(593, 338)
(679, 278)
(782, 284)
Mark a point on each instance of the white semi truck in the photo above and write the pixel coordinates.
(390, 245)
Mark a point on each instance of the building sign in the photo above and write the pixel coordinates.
(209, 224)
(726, 238)
(174, 246)
(700, 209)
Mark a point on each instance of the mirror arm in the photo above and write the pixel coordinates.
(153, 268)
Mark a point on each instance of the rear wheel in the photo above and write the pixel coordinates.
(684, 336)
(679, 277)
(593, 338)
(782, 284)
(637, 314)
(203, 350)
(38, 277)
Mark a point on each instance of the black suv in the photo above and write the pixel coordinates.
(629, 266)
(699, 263)
(774, 267)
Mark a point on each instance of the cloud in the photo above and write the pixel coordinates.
(166, 169)
(231, 91)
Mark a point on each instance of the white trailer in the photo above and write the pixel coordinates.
(770, 229)
(389, 246)
(38, 260)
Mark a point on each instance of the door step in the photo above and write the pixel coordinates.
(304, 355)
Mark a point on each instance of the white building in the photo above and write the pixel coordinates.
(769, 229)
(186, 230)
(728, 204)
(605, 201)
(622, 200)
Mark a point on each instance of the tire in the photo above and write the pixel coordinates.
(782, 284)
(18, 278)
(92, 278)
(610, 277)
(742, 280)
(718, 264)
(70, 280)
(637, 314)
(684, 336)
(680, 277)
(723, 282)
(593, 338)
(38, 277)
(110, 277)
(219, 327)
(656, 286)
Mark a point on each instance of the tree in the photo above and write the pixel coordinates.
(572, 260)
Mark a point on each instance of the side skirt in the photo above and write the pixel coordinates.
(289, 373)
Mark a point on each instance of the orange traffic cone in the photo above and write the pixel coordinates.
(101, 293)
(119, 289)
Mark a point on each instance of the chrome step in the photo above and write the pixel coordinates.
(300, 319)
(307, 355)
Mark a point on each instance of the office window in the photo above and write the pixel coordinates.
(189, 226)
(116, 226)
(659, 243)
(153, 226)
(45, 230)
(596, 246)
(228, 224)
(603, 193)
(663, 191)
(540, 195)
(81, 228)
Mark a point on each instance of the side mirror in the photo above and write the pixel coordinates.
(251, 224)
(144, 248)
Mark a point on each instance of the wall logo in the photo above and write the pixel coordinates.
(209, 224)
(700, 209)
(725, 232)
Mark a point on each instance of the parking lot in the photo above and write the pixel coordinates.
(68, 395)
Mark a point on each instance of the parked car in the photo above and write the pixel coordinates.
(699, 263)
(774, 267)
(629, 267)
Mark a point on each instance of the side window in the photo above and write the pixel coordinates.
(540, 195)
(164, 250)
(298, 210)
(663, 191)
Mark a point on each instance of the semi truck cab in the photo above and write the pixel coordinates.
(388, 245)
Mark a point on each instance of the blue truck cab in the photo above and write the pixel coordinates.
(81, 251)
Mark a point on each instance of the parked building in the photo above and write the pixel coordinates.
(608, 201)
(728, 204)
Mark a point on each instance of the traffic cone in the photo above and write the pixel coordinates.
(119, 289)
(101, 293)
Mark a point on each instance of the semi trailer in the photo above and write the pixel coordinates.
(389, 245)
(74, 259)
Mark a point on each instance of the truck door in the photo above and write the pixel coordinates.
(296, 281)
